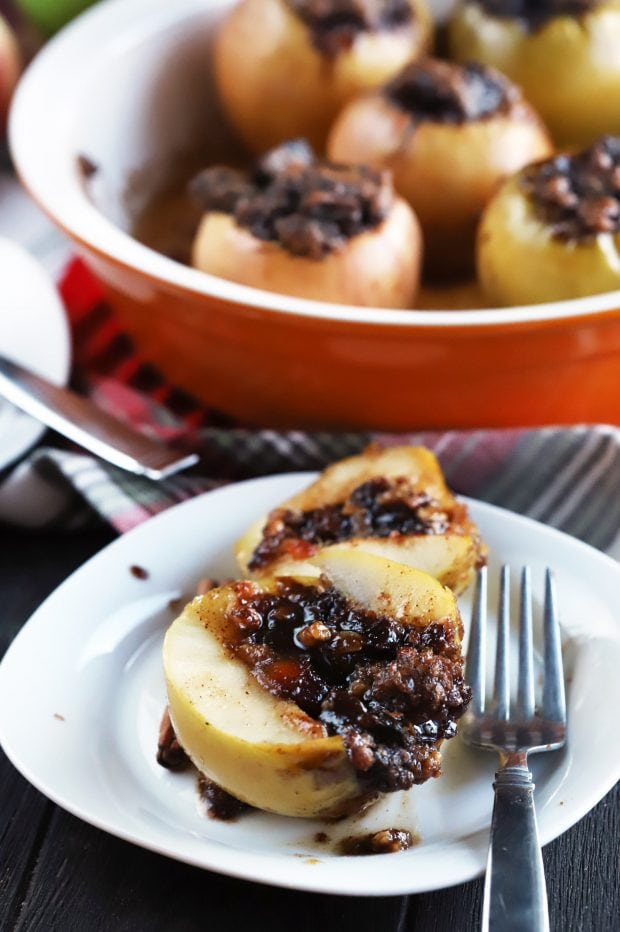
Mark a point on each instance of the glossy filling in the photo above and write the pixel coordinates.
(308, 206)
(535, 13)
(392, 692)
(441, 92)
(377, 508)
(335, 24)
(578, 196)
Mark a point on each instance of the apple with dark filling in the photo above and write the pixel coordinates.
(552, 232)
(312, 696)
(450, 134)
(301, 226)
(565, 54)
(285, 67)
(393, 503)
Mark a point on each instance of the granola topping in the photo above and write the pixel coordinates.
(443, 92)
(310, 207)
(578, 196)
(392, 691)
(377, 508)
(335, 24)
(536, 13)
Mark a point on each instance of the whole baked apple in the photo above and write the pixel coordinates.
(565, 54)
(285, 67)
(553, 231)
(450, 134)
(300, 226)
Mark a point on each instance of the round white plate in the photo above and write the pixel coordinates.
(33, 332)
(82, 692)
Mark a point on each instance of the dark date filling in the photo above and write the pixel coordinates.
(308, 206)
(335, 24)
(578, 196)
(442, 92)
(378, 508)
(391, 691)
(536, 13)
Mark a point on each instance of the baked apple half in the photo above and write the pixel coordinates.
(394, 503)
(563, 53)
(301, 226)
(312, 696)
(285, 67)
(450, 134)
(553, 232)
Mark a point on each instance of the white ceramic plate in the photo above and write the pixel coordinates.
(33, 332)
(81, 695)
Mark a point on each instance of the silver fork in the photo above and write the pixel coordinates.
(515, 896)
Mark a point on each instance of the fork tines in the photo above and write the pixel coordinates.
(501, 709)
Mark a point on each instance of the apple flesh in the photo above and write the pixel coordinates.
(275, 85)
(10, 64)
(260, 748)
(377, 268)
(451, 556)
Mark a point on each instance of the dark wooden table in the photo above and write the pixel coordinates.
(59, 873)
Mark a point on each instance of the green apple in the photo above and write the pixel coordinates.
(51, 15)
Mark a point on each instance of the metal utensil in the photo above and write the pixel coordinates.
(515, 897)
(83, 422)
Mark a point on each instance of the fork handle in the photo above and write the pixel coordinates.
(515, 894)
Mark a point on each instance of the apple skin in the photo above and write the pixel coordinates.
(275, 85)
(450, 557)
(520, 262)
(446, 172)
(260, 748)
(568, 68)
(378, 268)
(10, 66)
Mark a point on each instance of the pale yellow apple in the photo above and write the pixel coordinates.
(377, 268)
(568, 67)
(451, 557)
(260, 748)
(275, 85)
(521, 262)
(447, 172)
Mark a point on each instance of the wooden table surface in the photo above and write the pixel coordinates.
(59, 873)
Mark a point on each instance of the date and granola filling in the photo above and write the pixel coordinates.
(578, 196)
(393, 692)
(377, 508)
(442, 92)
(536, 13)
(310, 207)
(335, 24)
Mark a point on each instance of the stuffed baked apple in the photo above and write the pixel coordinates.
(309, 697)
(565, 54)
(393, 503)
(553, 231)
(285, 67)
(300, 226)
(450, 134)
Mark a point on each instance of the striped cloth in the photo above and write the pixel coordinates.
(566, 477)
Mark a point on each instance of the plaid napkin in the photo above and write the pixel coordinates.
(566, 477)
